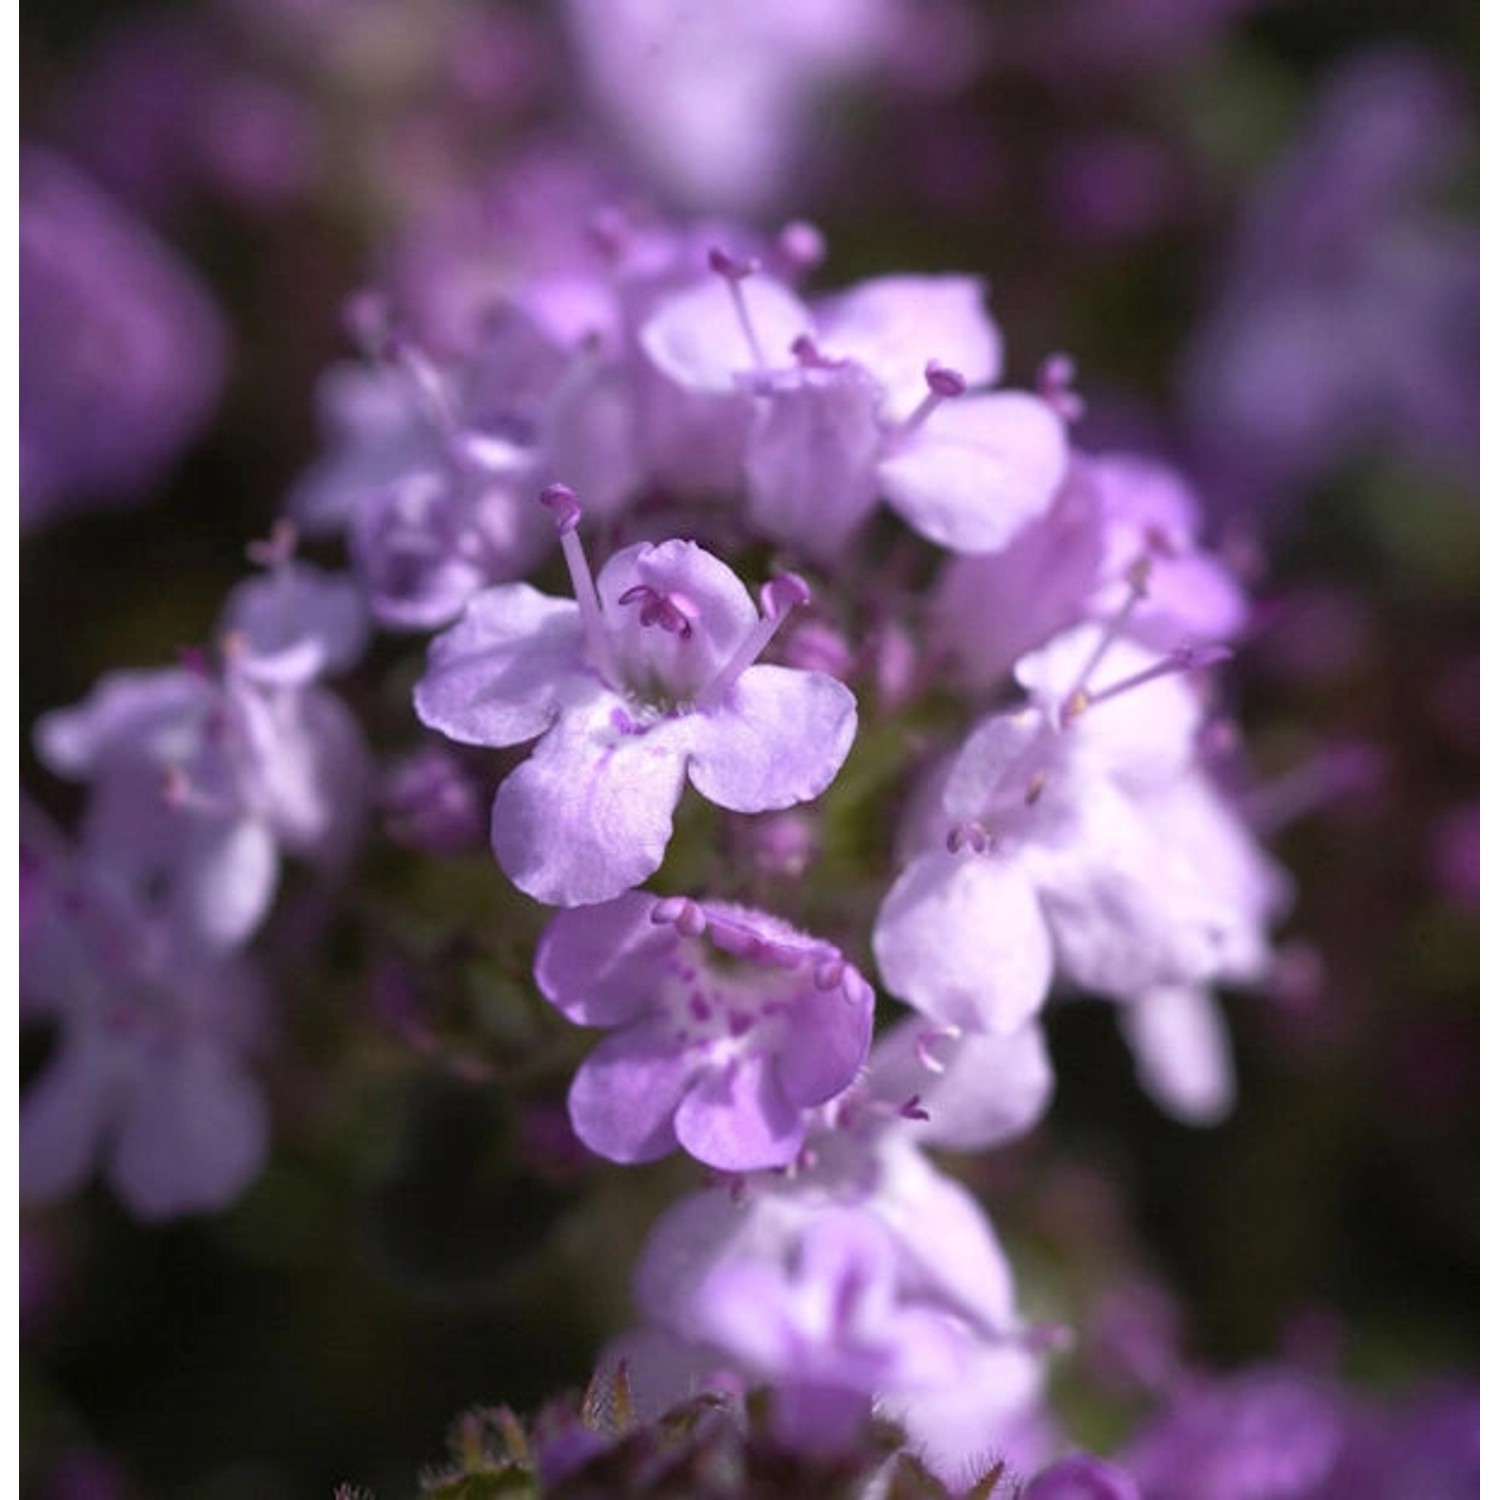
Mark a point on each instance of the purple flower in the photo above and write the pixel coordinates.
(1083, 838)
(198, 782)
(1347, 321)
(1429, 1446)
(121, 351)
(863, 395)
(1120, 525)
(1081, 1478)
(1265, 1434)
(295, 623)
(160, 109)
(827, 1324)
(904, 1305)
(150, 1077)
(960, 1091)
(729, 1026)
(719, 105)
(647, 679)
(431, 468)
(435, 804)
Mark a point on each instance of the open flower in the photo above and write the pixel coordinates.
(201, 780)
(1084, 840)
(730, 1024)
(649, 678)
(152, 1078)
(864, 395)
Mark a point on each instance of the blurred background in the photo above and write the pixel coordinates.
(1253, 226)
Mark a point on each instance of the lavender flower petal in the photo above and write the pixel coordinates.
(780, 740)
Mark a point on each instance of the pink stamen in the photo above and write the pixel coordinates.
(970, 835)
(778, 599)
(734, 271)
(943, 385)
(682, 913)
(432, 391)
(807, 354)
(1183, 659)
(829, 975)
(1138, 576)
(566, 511)
(673, 612)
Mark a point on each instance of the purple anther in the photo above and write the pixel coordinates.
(737, 941)
(783, 594)
(911, 1109)
(680, 912)
(943, 385)
(829, 974)
(563, 504)
(1160, 542)
(780, 955)
(968, 835)
(855, 988)
(731, 267)
(943, 382)
(673, 612)
(1194, 658)
(807, 354)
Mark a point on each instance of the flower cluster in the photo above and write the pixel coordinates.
(820, 859)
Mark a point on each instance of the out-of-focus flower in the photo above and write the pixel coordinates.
(151, 1077)
(966, 1388)
(1348, 320)
(1118, 524)
(1269, 1433)
(200, 781)
(433, 803)
(862, 395)
(1081, 1478)
(718, 104)
(166, 107)
(122, 352)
